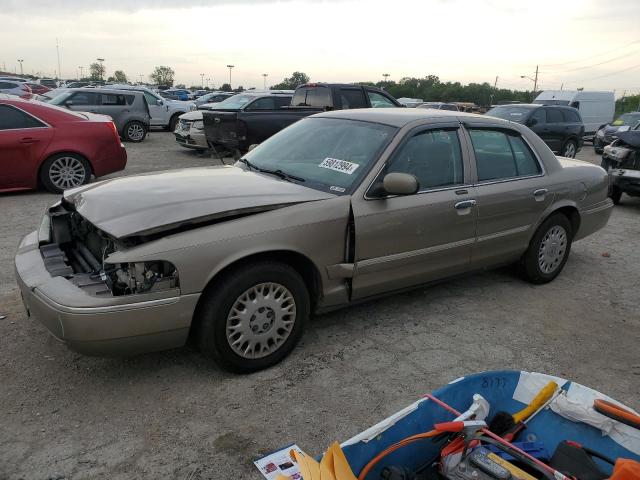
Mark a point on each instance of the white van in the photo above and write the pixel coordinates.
(596, 108)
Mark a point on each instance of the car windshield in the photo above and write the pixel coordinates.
(60, 99)
(326, 153)
(628, 119)
(513, 113)
(235, 103)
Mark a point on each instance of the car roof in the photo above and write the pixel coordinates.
(104, 90)
(399, 117)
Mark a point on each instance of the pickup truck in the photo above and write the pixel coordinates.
(233, 131)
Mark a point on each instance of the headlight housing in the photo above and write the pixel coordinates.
(140, 277)
(198, 125)
(192, 107)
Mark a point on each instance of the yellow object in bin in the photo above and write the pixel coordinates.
(540, 399)
(333, 466)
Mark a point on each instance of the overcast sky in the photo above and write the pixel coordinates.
(578, 43)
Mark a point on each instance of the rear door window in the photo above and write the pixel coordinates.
(554, 115)
(570, 116)
(352, 98)
(85, 98)
(502, 156)
(313, 97)
(112, 99)
(11, 118)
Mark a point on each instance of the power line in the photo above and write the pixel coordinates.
(601, 63)
(606, 75)
(592, 56)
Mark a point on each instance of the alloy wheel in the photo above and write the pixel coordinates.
(570, 150)
(135, 132)
(67, 172)
(552, 249)
(260, 320)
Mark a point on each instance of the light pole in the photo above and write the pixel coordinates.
(230, 67)
(534, 80)
(386, 77)
(101, 68)
(81, 76)
(58, 53)
(208, 80)
(20, 60)
(202, 80)
(264, 76)
(141, 78)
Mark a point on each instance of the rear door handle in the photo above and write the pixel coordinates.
(540, 194)
(465, 204)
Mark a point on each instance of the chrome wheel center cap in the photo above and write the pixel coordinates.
(262, 320)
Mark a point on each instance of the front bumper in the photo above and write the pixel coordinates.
(113, 326)
(190, 137)
(626, 180)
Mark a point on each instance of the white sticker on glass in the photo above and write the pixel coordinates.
(339, 165)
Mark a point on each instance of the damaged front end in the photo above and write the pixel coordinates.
(75, 249)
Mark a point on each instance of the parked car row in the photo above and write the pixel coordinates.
(54, 147)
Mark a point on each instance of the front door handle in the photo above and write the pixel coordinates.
(465, 204)
(28, 140)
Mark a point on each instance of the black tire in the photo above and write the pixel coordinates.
(605, 163)
(219, 299)
(598, 151)
(530, 263)
(134, 132)
(52, 180)
(616, 195)
(173, 122)
(570, 148)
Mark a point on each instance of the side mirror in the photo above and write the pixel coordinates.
(68, 103)
(252, 146)
(159, 102)
(532, 122)
(400, 184)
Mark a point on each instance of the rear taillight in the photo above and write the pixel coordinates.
(112, 127)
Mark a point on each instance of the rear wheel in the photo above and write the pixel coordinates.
(570, 148)
(134, 132)
(64, 171)
(548, 251)
(253, 316)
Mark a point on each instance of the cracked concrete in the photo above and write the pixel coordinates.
(174, 415)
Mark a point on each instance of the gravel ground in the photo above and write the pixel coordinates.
(174, 415)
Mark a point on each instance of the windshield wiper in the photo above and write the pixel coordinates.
(278, 172)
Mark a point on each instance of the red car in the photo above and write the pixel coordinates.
(49, 146)
(38, 89)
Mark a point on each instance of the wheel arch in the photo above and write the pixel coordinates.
(60, 152)
(568, 209)
(296, 260)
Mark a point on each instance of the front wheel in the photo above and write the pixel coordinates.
(616, 195)
(134, 132)
(173, 122)
(548, 251)
(570, 148)
(253, 317)
(64, 171)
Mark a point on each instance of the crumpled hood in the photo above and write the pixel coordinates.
(149, 203)
(192, 116)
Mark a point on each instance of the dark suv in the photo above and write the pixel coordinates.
(560, 127)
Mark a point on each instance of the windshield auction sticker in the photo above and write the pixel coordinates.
(339, 165)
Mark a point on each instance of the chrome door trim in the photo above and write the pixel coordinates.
(370, 265)
(504, 233)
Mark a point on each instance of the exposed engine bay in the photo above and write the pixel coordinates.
(74, 248)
